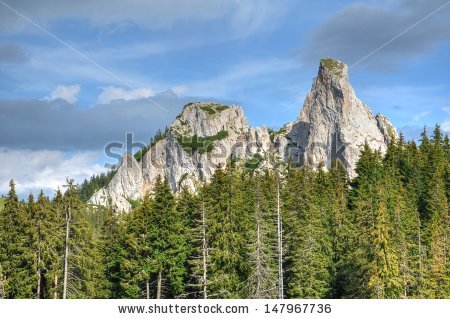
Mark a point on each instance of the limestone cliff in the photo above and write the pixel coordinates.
(333, 125)
(125, 186)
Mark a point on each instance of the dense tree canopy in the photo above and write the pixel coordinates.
(385, 234)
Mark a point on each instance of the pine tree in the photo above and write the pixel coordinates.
(136, 267)
(336, 195)
(55, 243)
(112, 251)
(309, 257)
(404, 220)
(168, 242)
(83, 267)
(157, 247)
(262, 248)
(383, 263)
(437, 278)
(229, 212)
(195, 221)
(47, 244)
(374, 258)
(16, 255)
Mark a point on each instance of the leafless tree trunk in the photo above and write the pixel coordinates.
(280, 243)
(158, 291)
(204, 254)
(258, 257)
(55, 293)
(39, 273)
(148, 288)
(2, 284)
(66, 254)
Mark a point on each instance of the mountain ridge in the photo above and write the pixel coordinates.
(333, 124)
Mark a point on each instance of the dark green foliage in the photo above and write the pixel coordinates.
(89, 187)
(254, 162)
(210, 108)
(134, 202)
(167, 238)
(159, 135)
(16, 255)
(307, 236)
(229, 212)
(213, 108)
(86, 275)
(385, 234)
(262, 281)
(155, 247)
(192, 144)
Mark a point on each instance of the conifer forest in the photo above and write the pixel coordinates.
(289, 232)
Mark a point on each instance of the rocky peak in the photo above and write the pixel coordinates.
(207, 119)
(333, 68)
(334, 124)
(331, 88)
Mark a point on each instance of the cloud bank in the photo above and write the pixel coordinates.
(46, 170)
(68, 93)
(112, 93)
(357, 30)
(60, 125)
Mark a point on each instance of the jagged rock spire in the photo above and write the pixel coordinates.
(333, 125)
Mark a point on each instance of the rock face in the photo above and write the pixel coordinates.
(333, 125)
(125, 186)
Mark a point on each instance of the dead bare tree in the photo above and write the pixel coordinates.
(66, 251)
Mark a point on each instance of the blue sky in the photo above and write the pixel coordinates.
(75, 75)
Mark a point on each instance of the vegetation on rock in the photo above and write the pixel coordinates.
(200, 144)
(335, 66)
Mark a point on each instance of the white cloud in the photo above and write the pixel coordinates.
(68, 93)
(116, 93)
(47, 170)
(180, 89)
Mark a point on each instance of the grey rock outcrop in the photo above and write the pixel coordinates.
(201, 139)
(333, 125)
(125, 186)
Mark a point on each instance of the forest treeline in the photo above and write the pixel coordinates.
(290, 232)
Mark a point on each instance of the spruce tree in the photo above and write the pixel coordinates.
(309, 257)
(16, 255)
(227, 235)
(84, 271)
(262, 247)
(437, 230)
(168, 242)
